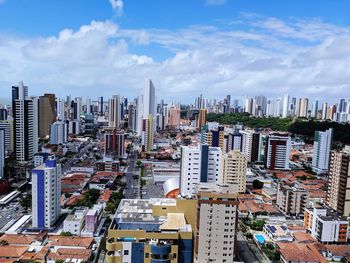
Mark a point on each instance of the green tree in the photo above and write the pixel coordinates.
(66, 234)
(26, 202)
(258, 184)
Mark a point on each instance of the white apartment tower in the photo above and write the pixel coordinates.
(46, 194)
(59, 132)
(199, 164)
(322, 150)
(285, 106)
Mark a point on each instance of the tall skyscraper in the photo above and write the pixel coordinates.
(235, 170)
(59, 132)
(3, 114)
(2, 153)
(304, 107)
(314, 111)
(216, 226)
(100, 106)
(278, 152)
(324, 111)
(338, 194)
(46, 194)
(7, 126)
(250, 145)
(322, 150)
(114, 112)
(285, 106)
(25, 127)
(202, 116)
(148, 127)
(47, 113)
(199, 164)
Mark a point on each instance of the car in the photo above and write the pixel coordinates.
(9, 216)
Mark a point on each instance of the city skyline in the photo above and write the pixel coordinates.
(227, 47)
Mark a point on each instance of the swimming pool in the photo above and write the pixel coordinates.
(260, 239)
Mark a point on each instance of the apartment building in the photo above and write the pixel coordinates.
(278, 152)
(235, 170)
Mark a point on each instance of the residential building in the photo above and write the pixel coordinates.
(114, 112)
(59, 132)
(278, 152)
(326, 225)
(322, 150)
(174, 117)
(235, 170)
(7, 126)
(235, 142)
(213, 137)
(152, 230)
(251, 145)
(202, 115)
(285, 112)
(47, 113)
(215, 232)
(2, 153)
(46, 194)
(25, 123)
(92, 220)
(292, 198)
(40, 158)
(115, 143)
(74, 222)
(338, 194)
(199, 164)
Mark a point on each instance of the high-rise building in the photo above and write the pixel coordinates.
(25, 125)
(213, 137)
(2, 153)
(46, 194)
(3, 114)
(235, 170)
(292, 198)
(322, 150)
(115, 143)
(114, 112)
(235, 141)
(314, 111)
(47, 113)
(199, 164)
(202, 115)
(7, 126)
(216, 226)
(148, 123)
(100, 106)
(338, 194)
(325, 225)
(285, 106)
(324, 111)
(278, 152)
(174, 117)
(59, 132)
(250, 145)
(304, 107)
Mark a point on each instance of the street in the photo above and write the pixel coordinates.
(132, 189)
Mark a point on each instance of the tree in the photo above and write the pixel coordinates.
(26, 202)
(4, 243)
(66, 234)
(258, 184)
(258, 225)
(110, 208)
(143, 182)
(138, 163)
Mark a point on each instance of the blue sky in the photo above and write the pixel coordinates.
(214, 47)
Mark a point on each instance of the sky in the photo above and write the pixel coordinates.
(187, 47)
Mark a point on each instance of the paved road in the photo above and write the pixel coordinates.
(132, 185)
(80, 154)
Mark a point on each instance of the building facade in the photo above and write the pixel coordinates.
(338, 194)
(322, 150)
(59, 132)
(235, 170)
(199, 164)
(278, 152)
(46, 194)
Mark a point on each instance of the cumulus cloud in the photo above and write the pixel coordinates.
(117, 5)
(303, 58)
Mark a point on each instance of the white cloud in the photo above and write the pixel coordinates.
(272, 57)
(215, 2)
(117, 5)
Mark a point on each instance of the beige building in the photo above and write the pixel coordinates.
(235, 170)
(215, 232)
(47, 114)
(291, 198)
(338, 195)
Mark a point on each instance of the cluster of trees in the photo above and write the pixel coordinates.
(299, 126)
(89, 198)
(113, 202)
(246, 119)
